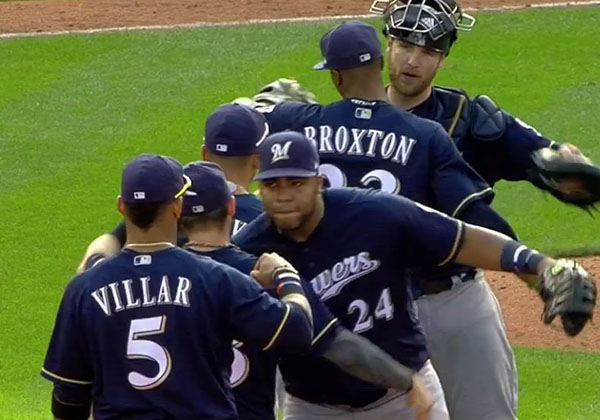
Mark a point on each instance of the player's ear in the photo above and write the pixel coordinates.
(203, 152)
(320, 182)
(442, 61)
(177, 208)
(255, 162)
(121, 206)
(336, 78)
(230, 206)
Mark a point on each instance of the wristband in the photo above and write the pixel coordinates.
(517, 258)
(287, 281)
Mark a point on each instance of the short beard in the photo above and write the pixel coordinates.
(411, 91)
(302, 221)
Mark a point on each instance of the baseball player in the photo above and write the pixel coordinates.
(147, 333)
(206, 220)
(368, 143)
(230, 137)
(355, 246)
(459, 319)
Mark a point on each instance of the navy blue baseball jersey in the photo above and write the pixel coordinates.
(247, 208)
(150, 334)
(373, 144)
(356, 259)
(500, 151)
(253, 370)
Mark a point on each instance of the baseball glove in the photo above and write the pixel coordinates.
(281, 90)
(569, 175)
(570, 292)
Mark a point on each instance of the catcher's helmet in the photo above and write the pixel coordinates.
(461, 20)
(420, 25)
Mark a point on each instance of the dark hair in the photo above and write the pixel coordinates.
(211, 219)
(143, 215)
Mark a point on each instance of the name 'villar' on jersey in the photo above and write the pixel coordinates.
(123, 296)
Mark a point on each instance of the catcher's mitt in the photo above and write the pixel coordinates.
(569, 291)
(569, 175)
(281, 90)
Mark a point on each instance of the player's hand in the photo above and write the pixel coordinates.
(266, 266)
(419, 398)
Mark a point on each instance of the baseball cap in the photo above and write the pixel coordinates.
(209, 191)
(287, 155)
(153, 179)
(349, 45)
(234, 130)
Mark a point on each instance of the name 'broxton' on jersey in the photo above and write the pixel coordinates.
(373, 144)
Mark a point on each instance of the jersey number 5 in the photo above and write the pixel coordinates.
(149, 350)
(337, 179)
(240, 366)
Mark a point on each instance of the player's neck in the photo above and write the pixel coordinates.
(240, 179)
(156, 238)
(407, 102)
(366, 93)
(208, 239)
(308, 227)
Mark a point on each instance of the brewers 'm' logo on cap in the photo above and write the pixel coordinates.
(280, 152)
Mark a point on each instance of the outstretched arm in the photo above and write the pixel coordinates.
(490, 250)
(359, 357)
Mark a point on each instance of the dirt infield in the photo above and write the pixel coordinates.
(521, 306)
(55, 15)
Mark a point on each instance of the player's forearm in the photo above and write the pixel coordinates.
(359, 357)
(301, 302)
(105, 244)
(297, 333)
(491, 250)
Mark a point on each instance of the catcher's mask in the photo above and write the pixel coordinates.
(420, 25)
(462, 21)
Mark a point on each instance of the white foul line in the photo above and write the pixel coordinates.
(267, 21)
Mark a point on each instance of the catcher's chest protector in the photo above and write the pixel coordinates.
(451, 110)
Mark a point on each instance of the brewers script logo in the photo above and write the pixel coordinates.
(331, 281)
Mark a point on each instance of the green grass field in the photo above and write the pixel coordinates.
(75, 109)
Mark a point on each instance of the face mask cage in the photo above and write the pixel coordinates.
(462, 21)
